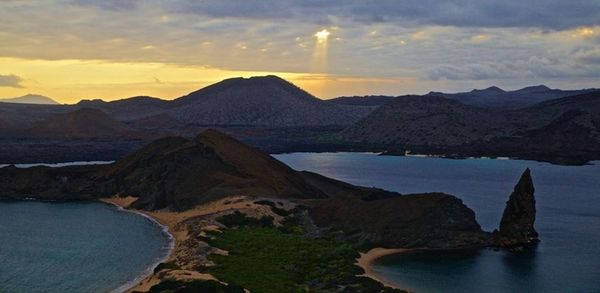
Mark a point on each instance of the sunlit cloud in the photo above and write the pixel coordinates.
(10, 80)
(584, 32)
(72, 80)
(319, 60)
(322, 36)
(479, 39)
(433, 46)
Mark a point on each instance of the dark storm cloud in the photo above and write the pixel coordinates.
(10, 81)
(549, 14)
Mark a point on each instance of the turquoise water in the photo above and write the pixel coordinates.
(74, 247)
(568, 206)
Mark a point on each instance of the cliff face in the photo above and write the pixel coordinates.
(516, 226)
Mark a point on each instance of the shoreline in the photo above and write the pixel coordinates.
(121, 204)
(172, 220)
(167, 221)
(367, 259)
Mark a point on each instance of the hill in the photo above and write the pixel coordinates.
(261, 101)
(128, 109)
(179, 173)
(30, 99)
(494, 97)
(425, 121)
(82, 123)
(562, 130)
(277, 116)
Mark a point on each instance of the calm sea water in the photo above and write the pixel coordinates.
(568, 206)
(74, 247)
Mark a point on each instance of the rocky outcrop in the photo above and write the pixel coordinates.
(388, 219)
(516, 227)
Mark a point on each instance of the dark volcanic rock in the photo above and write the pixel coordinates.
(516, 227)
(389, 219)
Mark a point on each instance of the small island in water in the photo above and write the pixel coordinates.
(243, 220)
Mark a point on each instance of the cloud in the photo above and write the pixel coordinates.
(549, 14)
(10, 81)
(470, 72)
(591, 56)
(532, 68)
(454, 40)
(108, 4)
(546, 14)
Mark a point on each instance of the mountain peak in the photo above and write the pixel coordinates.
(270, 86)
(535, 88)
(30, 99)
(492, 89)
(260, 100)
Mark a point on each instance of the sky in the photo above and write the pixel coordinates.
(111, 49)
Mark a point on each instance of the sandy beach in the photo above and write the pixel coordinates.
(174, 221)
(366, 260)
(169, 220)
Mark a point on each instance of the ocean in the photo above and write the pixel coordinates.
(75, 247)
(568, 220)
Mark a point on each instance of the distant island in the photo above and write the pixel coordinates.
(30, 99)
(536, 123)
(299, 229)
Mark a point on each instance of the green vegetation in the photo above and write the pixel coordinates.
(172, 286)
(268, 259)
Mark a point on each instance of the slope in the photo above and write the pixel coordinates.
(82, 123)
(260, 101)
